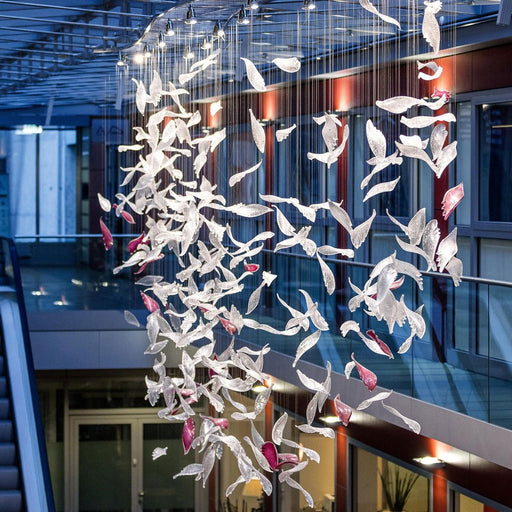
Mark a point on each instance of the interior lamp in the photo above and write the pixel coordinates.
(191, 16)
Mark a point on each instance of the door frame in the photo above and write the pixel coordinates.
(136, 418)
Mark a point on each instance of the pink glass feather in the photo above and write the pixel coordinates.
(343, 411)
(382, 345)
(229, 326)
(367, 376)
(151, 304)
(270, 453)
(451, 199)
(251, 267)
(218, 422)
(133, 244)
(188, 434)
(108, 241)
(438, 93)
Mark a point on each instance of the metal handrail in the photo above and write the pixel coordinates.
(438, 275)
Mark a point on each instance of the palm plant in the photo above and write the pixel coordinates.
(397, 487)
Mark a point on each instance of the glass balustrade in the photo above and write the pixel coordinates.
(463, 362)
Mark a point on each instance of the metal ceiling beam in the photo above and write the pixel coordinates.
(51, 43)
(50, 33)
(70, 23)
(54, 52)
(76, 9)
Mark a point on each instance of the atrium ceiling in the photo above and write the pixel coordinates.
(64, 53)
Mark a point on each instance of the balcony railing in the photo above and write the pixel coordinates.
(463, 363)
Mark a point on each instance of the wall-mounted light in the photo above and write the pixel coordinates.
(309, 5)
(191, 16)
(242, 17)
(330, 420)
(169, 30)
(218, 31)
(431, 462)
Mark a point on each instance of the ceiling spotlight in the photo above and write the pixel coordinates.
(206, 45)
(191, 16)
(138, 58)
(161, 41)
(169, 31)
(121, 60)
(309, 5)
(188, 53)
(431, 462)
(147, 53)
(253, 4)
(218, 31)
(242, 18)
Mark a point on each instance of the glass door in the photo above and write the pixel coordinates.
(111, 467)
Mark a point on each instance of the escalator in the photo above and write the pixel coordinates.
(24, 476)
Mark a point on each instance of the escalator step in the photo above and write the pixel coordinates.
(10, 501)
(5, 408)
(5, 432)
(9, 478)
(7, 454)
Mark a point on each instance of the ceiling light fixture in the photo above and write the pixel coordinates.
(206, 45)
(309, 5)
(120, 61)
(242, 18)
(431, 462)
(191, 16)
(253, 4)
(161, 41)
(169, 31)
(147, 53)
(188, 53)
(218, 31)
(138, 58)
(259, 388)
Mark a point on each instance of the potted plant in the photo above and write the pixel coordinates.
(397, 487)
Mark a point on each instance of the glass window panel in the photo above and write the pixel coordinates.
(463, 162)
(104, 486)
(397, 201)
(359, 167)
(495, 140)
(374, 479)
(160, 491)
(495, 302)
(245, 497)
(21, 168)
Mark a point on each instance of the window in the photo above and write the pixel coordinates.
(495, 176)
(374, 479)
(42, 181)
